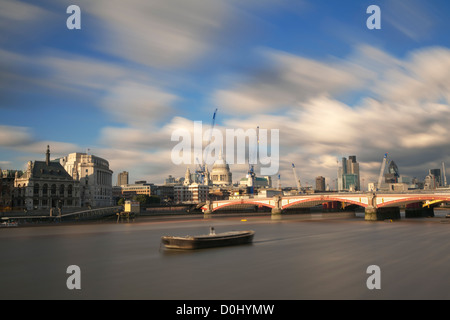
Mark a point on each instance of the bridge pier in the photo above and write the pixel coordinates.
(377, 214)
(277, 209)
(372, 213)
(416, 210)
(209, 208)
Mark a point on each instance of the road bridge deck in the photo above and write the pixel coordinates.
(377, 205)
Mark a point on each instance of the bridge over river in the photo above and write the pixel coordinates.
(377, 205)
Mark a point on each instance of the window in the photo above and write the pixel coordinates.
(36, 189)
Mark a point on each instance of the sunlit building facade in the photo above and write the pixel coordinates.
(45, 185)
(94, 176)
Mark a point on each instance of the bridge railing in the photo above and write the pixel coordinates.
(92, 213)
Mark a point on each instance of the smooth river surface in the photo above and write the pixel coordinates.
(291, 258)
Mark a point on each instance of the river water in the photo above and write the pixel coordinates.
(291, 258)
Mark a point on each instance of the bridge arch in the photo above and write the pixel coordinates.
(322, 200)
(410, 200)
(241, 204)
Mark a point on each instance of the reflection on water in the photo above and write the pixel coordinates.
(293, 258)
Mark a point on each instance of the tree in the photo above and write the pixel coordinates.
(145, 199)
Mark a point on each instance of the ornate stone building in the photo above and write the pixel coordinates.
(45, 185)
(94, 176)
(7, 188)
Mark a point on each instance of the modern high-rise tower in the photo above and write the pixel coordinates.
(348, 175)
(122, 178)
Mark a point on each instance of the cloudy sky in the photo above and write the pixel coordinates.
(138, 70)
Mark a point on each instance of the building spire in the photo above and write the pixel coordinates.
(47, 155)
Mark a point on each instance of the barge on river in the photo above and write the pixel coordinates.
(210, 240)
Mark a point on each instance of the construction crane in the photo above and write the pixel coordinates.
(251, 169)
(201, 170)
(383, 166)
(444, 175)
(297, 180)
(251, 180)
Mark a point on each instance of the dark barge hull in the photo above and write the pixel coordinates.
(208, 241)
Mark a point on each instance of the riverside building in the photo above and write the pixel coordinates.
(94, 176)
(45, 185)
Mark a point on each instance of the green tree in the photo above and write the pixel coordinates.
(145, 199)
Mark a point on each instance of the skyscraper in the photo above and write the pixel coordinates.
(348, 174)
(393, 174)
(436, 173)
(122, 178)
(320, 183)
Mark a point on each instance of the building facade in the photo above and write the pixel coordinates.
(320, 183)
(94, 176)
(46, 185)
(7, 188)
(122, 178)
(130, 190)
(194, 193)
(348, 175)
(258, 182)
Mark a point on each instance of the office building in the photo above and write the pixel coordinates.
(122, 178)
(140, 187)
(94, 176)
(348, 175)
(436, 173)
(393, 174)
(320, 183)
(193, 193)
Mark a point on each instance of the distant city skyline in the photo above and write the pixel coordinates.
(138, 70)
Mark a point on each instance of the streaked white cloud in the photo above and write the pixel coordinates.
(288, 79)
(143, 54)
(424, 75)
(403, 109)
(411, 18)
(138, 104)
(12, 136)
(157, 33)
(18, 17)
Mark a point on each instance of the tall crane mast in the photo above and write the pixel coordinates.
(251, 171)
(383, 166)
(297, 180)
(201, 171)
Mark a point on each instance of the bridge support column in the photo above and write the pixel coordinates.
(416, 210)
(377, 214)
(277, 209)
(372, 213)
(371, 210)
(209, 210)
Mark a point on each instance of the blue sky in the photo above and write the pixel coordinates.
(137, 70)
